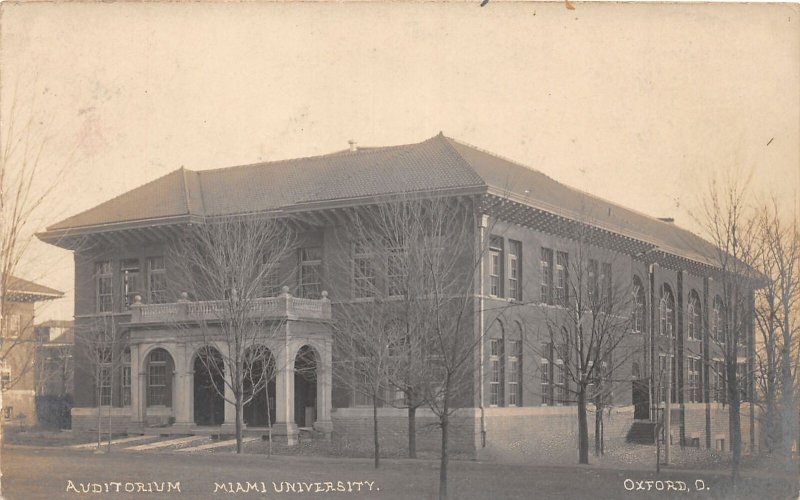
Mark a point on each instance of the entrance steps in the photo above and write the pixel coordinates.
(641, 432)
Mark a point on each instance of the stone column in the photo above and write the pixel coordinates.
(137, 401)
(182, 390)
(324, 389)
(285, 427)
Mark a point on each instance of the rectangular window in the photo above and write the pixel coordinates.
(720, 393)
(364, 282)
(13, 325)
(496, 266)
(156, 280)
(310, 273)
(561, 282)
(546, 269)
(607, 287)
(105, 384)
(362, 393)
(515, 373)
(496, 367)
(104, 290)
(129, 276)
(662, 377)
(546, 368)
(271, 284)
(125, 381)
(560, 381)
(515, 270)
(5, 380)
(593, 284)
(694, 380)
(396, 271)
(741, 381)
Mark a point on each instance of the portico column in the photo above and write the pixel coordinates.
(183, 388)
(324, 390)
(230, 407)
(136, 387)
(284, 395)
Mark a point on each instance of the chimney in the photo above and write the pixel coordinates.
(353, 146)
(669, 220)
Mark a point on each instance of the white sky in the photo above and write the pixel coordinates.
(638, 104)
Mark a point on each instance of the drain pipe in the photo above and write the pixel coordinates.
(481, 235)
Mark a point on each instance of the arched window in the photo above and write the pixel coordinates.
(666, 312)
(638, 305)
(159, 378)
(497, 365)
(718, 320)
(695, 323)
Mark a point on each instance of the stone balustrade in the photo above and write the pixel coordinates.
(284, 306)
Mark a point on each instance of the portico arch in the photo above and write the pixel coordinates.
(209, 385)
(259, 375)
(306, 367)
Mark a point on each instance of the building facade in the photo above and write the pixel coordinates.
(18, 348)
(522, 397)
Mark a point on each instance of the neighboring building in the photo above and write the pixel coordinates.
(18, 348)
(123, 272)
(55, 341)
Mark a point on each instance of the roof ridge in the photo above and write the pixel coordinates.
(344, 152)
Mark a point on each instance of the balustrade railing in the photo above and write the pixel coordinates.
(283, 306)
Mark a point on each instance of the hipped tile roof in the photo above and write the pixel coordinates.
(437, 164)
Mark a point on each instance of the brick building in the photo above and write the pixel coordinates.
(123, 273)
(19, 348)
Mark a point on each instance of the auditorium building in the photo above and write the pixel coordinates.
(519, 399)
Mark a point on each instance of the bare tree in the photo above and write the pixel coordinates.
(584, 341)
(776, 313)
(228, 267)
(729, 227)
(102, 346)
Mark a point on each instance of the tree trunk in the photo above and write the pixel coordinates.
(239, 423)
(375, 429)
(583, 428)
(412, 432)
(445, 422)
(597, 416)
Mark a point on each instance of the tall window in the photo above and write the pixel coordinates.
(695, 324)
(607, 287)
(593, 288)
(666, 312)
(125, 382)
(104, 376)
(496, 266)
(663, 375)
(638, 305)
(396, 270)
(546, 367)
(310, 273)
(156, 280)
(560, 374)
(363, 272)
(157, 378)
(271, 284)
(496, 367)
(720, 387)
(546, 267)
(129, 274)
(694, 394)
(741, 381)
(515, 373)
(718, 321)
(13, 325)
(514, 270)
(561, 281)
(104, 289)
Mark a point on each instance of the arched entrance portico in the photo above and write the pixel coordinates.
(260, 370)
(305, 386)
(209, 382)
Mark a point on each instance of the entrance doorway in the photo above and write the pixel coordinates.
(305, 387)
(259, 375)
(209, 383)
